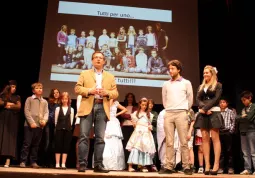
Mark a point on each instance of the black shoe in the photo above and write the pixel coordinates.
(214, 173)
(51, 166)
(82, 168)
(165, 171)
(188, 171)
(100, 169)
(206, 172)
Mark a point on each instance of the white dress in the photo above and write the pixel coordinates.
(113, 155)
(141, 143)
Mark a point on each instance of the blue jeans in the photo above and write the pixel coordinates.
(248, 149)
(132, 47)
(99, 118)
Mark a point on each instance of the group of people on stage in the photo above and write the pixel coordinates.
(135, 141)
(136, 51)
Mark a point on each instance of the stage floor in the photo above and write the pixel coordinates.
(45, 172)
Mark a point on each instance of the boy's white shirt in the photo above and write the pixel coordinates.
(141, 60)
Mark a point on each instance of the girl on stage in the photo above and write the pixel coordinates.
(64, 115)
(113, 156)
(141, 143)
(10, 106)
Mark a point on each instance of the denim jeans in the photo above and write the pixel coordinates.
(132, 47)
(99, 118)
(248, 149)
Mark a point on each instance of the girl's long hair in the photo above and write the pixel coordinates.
(126, 101)
(139, 108)
(51, 98)
(214, 80)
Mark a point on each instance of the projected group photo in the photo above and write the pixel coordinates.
(134, 46)
(126, 51)
(137, 42)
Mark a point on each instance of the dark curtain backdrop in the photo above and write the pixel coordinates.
(226, 40)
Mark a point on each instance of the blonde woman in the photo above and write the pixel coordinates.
(209, 119)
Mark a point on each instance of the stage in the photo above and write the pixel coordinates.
(72, 173)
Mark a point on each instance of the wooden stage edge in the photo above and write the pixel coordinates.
(72, 173)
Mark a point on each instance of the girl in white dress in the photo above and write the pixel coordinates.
(113, 155)
(141, 143)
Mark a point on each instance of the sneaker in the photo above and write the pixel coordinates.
(7, 163)
(200, 170)
(22, 165)
(188, 171)
(231, 171)
(253, 173)
(220, 171)
(245, 172)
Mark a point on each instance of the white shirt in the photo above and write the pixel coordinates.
(91, 39)
(64, 111)
(177, 94)
(103, 39)
(150, 39)
(141, 60)
(77, 121)
(99, 77)
(131, 40)
(113, 42)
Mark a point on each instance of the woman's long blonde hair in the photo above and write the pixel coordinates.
(214, 80)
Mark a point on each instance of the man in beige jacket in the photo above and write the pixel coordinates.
(97, 87)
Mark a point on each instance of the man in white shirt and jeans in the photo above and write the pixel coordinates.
(177, 97)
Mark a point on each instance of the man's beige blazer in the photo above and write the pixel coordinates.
(86, 81)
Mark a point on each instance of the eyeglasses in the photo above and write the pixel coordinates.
(98, 57)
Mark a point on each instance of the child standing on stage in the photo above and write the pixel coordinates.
(141, 143)
(64, 115)
(198, 142)
(113, 156)
(190, 138)
(36, 113)
(246, 125)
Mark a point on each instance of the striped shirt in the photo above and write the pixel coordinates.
(229, 119)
